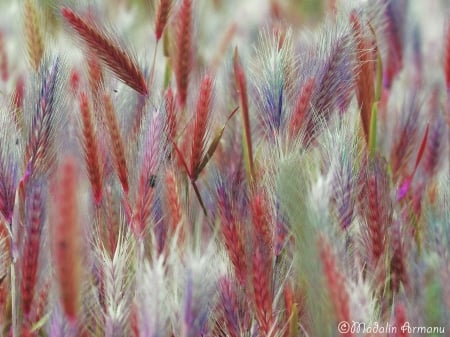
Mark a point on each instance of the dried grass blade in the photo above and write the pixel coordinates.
(406, 184)
(242, 89)
(199, 197)
(213, 146)
(365, 77)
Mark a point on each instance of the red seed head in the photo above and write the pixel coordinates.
(33, 224)
(401, 320)
(117, 144)
(262, 287)
(74, 81)
(336, 283)
(184, 54)
(161, 17)
(200, 124)
(173, 200)
(447, 58)
(301, 107)
(171, 118)
(105, 47)
(90, 147)
(66, 236)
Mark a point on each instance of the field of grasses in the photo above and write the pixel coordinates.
(241, 168)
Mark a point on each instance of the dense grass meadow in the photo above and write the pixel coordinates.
(229, 168)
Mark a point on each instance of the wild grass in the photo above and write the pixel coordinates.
(136, 200)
